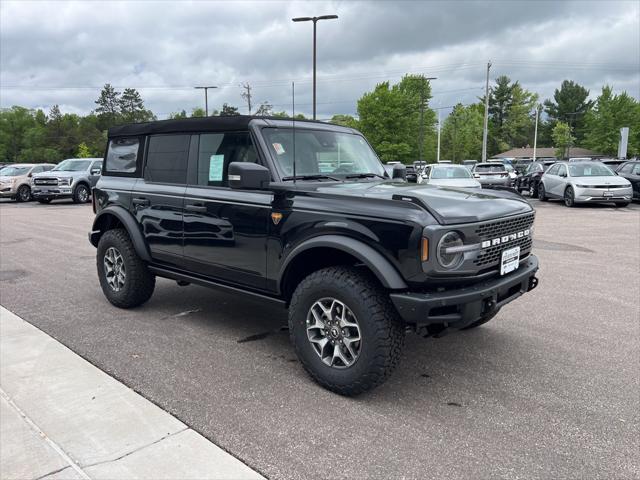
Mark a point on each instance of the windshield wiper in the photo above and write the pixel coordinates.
(366, 175)
(310, 177)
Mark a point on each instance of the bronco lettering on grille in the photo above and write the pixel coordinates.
(506, 238)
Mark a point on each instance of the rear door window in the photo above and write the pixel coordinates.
(122, 155)
(167, 158)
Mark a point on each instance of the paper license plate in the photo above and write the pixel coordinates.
(607, 194)
(510, 260)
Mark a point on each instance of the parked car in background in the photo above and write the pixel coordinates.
(72, 178)
(631, 171)
(469, 163)
(531, 178)
(412, 176)
(612, 163)
(584, 182)
(448, 176)
(15, 179)
(492, 174)
(521, 164)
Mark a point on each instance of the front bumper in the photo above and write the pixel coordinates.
(495, 182)
(595, 195)
(7, 191)
(460, 307)
(52, 192)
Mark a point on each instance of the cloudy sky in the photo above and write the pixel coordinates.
(63, 52)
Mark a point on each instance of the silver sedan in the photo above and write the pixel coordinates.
(492, 174)
(447, 175)
(584, 182)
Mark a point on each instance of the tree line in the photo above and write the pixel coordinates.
(398, 123)
(397, 119)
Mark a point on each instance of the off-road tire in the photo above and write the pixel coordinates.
(78, 194)
(44, 201)
(482, 320)
(622, 204)
(381, 329)
(139, 282)
(569, 197)
(23, 194)
(542, 194)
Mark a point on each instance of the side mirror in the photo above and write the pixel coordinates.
(399, 172)
(30, 175)
(96, 171)
(249, 176)
(563, 174)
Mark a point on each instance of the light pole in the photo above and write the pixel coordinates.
(315, 21)
(422, 84)
(572, 119)
(206, 99)
(485, 130)
(535, 133)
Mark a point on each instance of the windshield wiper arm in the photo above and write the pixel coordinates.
(366, 175)
(310, 177)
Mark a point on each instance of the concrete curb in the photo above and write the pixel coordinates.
(63, 418)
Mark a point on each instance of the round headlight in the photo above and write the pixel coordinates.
(450, 260)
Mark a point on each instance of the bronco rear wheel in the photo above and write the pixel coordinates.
(345, 330)
(124, 277)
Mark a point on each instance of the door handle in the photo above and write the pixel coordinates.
(142, 202)
(195, 207)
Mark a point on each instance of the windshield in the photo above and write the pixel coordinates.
(322, 152)
(14, 171)
(496, 168)
(590, 170)
(450, 172)
(72, 166)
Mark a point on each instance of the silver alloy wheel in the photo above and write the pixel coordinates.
(83, 193)
(24, 193)
(334, 334)
(114, 269)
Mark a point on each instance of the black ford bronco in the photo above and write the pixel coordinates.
(304, 214)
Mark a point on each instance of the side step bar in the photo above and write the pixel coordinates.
(183, 277)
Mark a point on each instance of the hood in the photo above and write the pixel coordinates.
(449, 205)
(606, 180)
(454, 182)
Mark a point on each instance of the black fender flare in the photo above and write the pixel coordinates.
(386, 273)
(130, 224)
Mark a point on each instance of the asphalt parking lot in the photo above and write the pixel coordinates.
(549, 389)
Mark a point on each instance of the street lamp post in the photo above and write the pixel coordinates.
(315, 21)
(572, 119)
(206, 99)
(421, 145)
(535, 133)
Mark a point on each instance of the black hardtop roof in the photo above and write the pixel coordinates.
(232, 123)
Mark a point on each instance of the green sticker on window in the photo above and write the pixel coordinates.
(216, 162)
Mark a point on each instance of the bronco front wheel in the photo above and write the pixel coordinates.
(345, 330)
(124, 277)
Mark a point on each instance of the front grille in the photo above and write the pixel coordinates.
(492, 255)
(490, 230)
(45, 181)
